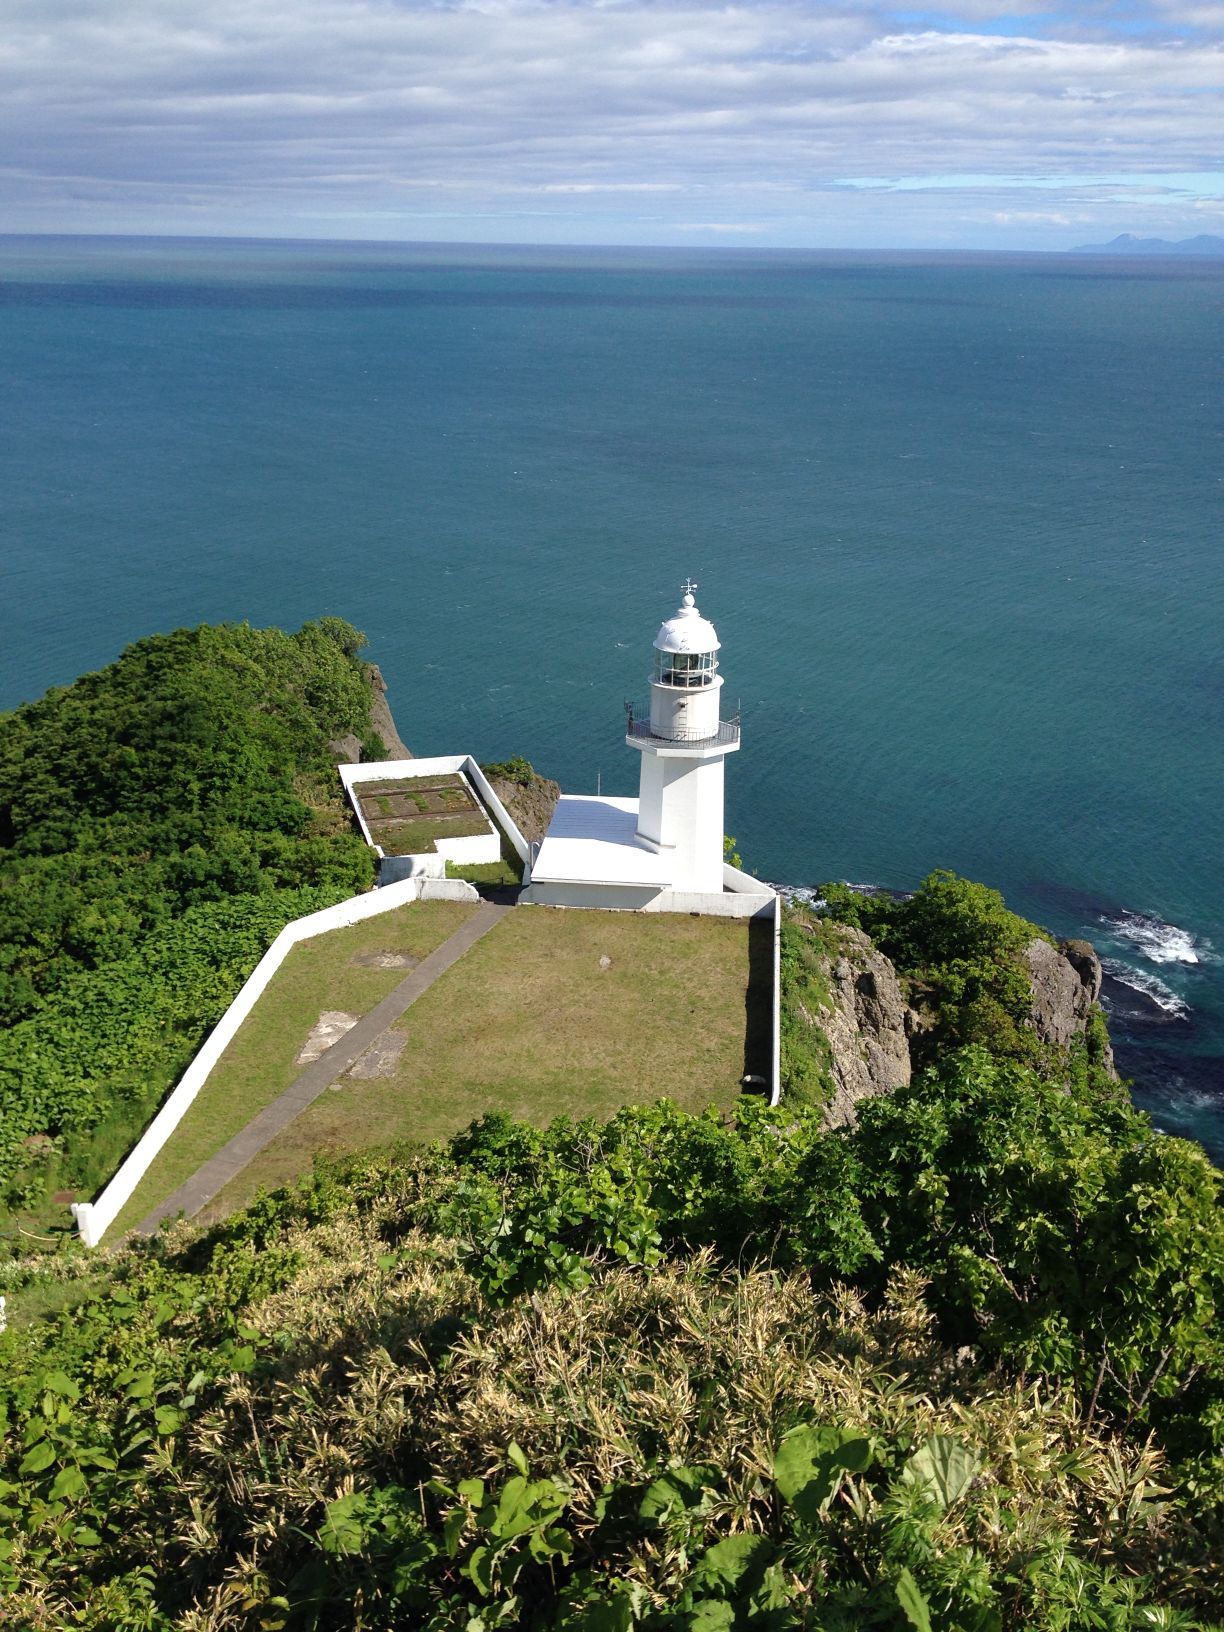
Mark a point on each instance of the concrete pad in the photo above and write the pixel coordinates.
(325, 1033)
(380, 1059)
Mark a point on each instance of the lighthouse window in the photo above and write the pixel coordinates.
(685, 668)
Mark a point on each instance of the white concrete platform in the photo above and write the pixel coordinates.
(590, 840)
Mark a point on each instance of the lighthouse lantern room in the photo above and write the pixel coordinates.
(662, 851)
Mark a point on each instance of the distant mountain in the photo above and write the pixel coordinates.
(1127, 244)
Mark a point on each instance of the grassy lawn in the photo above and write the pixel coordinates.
(530, 1023)
(399, 837)
(507, 871)
(260, 1062)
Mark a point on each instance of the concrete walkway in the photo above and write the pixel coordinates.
(216, 1173)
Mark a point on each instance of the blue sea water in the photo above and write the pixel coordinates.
(957, 521)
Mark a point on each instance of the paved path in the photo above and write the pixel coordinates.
(206, 1181)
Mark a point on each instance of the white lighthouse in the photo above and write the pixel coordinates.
(661, 852)
(683, 745)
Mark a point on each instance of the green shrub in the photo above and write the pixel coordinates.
(160, 821)
(959, 949)
(517, 769)
(506, 1384)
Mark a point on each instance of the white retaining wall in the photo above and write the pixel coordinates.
(775, 1069)
(467, 852)
(94, 1218)
(743, 897)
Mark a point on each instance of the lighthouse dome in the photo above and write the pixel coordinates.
(687, 630)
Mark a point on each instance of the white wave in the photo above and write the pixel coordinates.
(796, 893)
(1157, 941)
(808, 897)
(1151, 986)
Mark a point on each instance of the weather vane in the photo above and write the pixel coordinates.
(688, 586)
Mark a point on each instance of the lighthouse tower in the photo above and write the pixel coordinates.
(663, 851)
(683, 745)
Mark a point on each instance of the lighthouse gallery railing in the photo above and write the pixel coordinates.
(728, 732)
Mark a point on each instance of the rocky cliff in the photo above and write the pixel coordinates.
(868, 1024)
(380, 718)
(530, 799)
(1066, 982)
(865, 1025)
(347, 750)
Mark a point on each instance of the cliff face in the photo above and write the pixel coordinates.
(867, 1022)
(1066, 983)
(347, 750)
(380, 718)
(530, 803)
(865, 1026)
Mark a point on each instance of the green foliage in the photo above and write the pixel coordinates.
(182, 773)
(1057, 1232)
(159, 822)
(114, 1035)
(516, 769)
(806, 1061)
(731, 855)
(315, 1417)
(871, 912)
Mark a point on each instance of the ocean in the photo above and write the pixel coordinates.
(957, 520)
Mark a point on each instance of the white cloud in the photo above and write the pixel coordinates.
(1030, 218)
(263, 110)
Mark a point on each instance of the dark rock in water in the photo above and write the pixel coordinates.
(1128, 1005)
(380, 718)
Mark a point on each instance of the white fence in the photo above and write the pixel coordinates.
(94, 1218)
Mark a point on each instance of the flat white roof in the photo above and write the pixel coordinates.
(591, 840)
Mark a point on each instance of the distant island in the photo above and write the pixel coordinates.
(1126, 243)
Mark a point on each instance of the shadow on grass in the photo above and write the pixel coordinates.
(758, 1002)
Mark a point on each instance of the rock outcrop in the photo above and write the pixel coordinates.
(1066, 982)
(531, 803)
(868, 1023)
(865, 1027)
(345, 750)
(380, 718)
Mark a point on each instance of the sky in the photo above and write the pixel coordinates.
(993, 124)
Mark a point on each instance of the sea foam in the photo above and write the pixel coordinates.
(1155, 940)
(1149, 985)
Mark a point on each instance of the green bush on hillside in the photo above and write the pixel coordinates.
(666, 1373)
(194, 768)
(135, 805)
(116, 1038)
